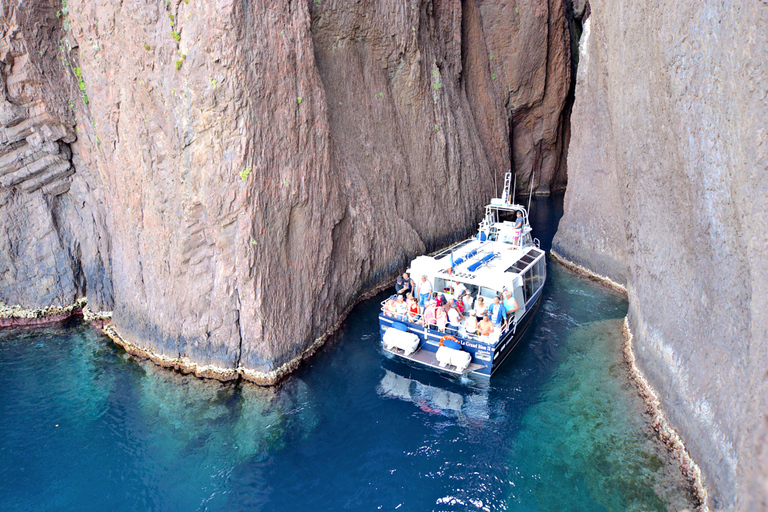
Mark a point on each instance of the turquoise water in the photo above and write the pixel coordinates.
(85, 427)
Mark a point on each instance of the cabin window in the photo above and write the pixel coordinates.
(488, 293)
(534, 278)
(528, 287)
(539, 274)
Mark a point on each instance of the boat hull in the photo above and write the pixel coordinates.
(486, 357)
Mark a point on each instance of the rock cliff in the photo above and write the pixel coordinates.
(229, 177)
(667, 194)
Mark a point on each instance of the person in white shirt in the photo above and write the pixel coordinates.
(454, 318)
(470, 325)
(480, 308)
(425, 290)
(467, 300)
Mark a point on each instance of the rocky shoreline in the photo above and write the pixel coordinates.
(188, 366)
(666, 434)
(17, 316)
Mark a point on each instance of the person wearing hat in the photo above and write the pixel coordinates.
(400, 286)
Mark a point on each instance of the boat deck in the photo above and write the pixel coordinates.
(428, 358)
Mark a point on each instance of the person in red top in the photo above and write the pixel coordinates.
(413, 308)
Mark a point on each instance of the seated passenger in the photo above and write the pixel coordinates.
(390, 308)
(510, 304)
(470, 325)
(413, 308)
(429, 318)
(485, 326)
(400, 308)
(497, 312)
(454, 317)
(441, 318)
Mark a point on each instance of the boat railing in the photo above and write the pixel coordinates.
(412, 318)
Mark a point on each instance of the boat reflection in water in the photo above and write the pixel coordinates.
(472, 404)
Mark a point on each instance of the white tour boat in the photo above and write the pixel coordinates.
(502, 256)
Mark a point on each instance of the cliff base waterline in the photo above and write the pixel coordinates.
(665, 432)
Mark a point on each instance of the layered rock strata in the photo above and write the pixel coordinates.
(666, 194)
(229, 177)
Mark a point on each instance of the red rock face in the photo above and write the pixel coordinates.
(246, 170)
(530, 62)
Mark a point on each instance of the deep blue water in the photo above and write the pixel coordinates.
(85, 427)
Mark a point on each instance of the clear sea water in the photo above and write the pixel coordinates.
(84, 427)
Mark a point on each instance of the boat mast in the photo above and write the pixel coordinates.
(533, 175)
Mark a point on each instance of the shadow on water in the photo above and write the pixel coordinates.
(559, 427)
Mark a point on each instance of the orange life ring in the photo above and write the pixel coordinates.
(447, 337)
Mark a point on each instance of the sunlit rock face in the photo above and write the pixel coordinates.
(666, 193)
(229, 177)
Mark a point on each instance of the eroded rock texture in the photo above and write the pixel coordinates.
(667, 193)
(230, 176)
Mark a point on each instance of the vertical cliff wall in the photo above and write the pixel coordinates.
(228, 177)
(667, 193)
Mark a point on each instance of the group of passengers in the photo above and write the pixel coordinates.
(461, 310)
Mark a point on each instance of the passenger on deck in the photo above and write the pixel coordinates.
(409, 282)
(400, 308)
(470, 325)
(425, 290)
(480, 308)
(497, 312)
(454, 317)
(429, 315)
(400, 287)
(456, 305)
(390, 308)
(441, 318)
(510, 304)
(485, 326)
(458, 289)
(517, 230)
(467, 300)
(414, 313)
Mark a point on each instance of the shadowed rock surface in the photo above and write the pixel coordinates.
(229, 177)
(667, 194)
